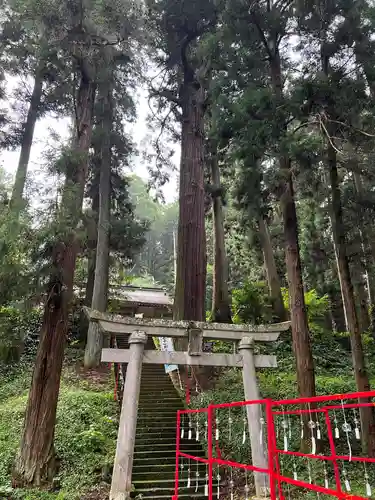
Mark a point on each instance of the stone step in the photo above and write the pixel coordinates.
(151, 458)
(187, 448)
(156, 433)
(160, 492)
(169, 496)
(146, 418)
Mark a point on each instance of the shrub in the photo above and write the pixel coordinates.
(18, 329)
(252, 303)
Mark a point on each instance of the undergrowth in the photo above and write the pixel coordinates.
(86, 430)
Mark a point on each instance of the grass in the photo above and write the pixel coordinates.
(86, 430)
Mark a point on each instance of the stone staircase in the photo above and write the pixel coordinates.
(155, 445)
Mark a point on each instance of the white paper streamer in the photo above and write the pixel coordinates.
(285, 442)
(189, 434)
(368, 490)
(347, 485)
(313, 446)
(357, 433)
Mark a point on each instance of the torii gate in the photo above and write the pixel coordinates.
(139, 331)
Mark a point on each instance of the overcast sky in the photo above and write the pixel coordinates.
(42, 138)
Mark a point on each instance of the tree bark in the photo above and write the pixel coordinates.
(191, 248)
(27, 140)
(221, 311)
(92, 241)
(35, 463)
(273, 279)
(359, 365)
(298, 315)
(368, 243)
(100, 291)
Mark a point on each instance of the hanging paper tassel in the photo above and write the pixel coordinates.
(247, 489)
(295, 475)
(218, 486)
(368, 489)
(346, 481)
(326, 484)
(337, 432)
(285, 442)
(244, 431)
(189, 434)
(318, 433)
(313, 446)
(357, 433)
(230, 422)
(217, 432)
(206, 490)
(189, 478)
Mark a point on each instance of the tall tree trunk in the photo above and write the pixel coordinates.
(190, 291)
(368, 243)
(273, 279)
(191, 248)
(336, 304)
(35, 462)
(27, 140)
(92, 241)
(221, 311)
(359, 365)
(100, 292)
(358, 272)
(298, 315)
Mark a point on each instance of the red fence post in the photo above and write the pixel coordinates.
(271, 449)
(333, 453)
(209, 454)
(177, 471)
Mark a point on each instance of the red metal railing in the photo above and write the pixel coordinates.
(326, 421)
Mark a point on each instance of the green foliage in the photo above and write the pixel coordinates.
(156, 259)
(85, 433)
(17, 327)
(317, 307)
(251, 303)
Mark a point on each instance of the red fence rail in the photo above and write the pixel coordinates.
(329, 428)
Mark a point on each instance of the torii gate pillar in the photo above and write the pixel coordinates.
(254, 415)
(122, 470)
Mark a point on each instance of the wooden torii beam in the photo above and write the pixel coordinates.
(138, 331)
